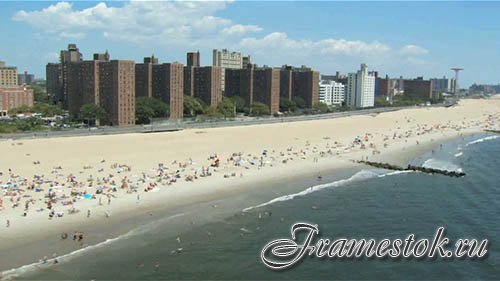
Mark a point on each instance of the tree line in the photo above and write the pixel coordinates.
(149, 108)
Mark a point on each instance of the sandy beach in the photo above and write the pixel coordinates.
(56, 187)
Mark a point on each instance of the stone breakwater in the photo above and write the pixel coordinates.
(387, 166)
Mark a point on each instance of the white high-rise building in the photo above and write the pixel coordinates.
(226, 59)
(331, 92)
(361, 88)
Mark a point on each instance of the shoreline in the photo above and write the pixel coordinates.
(294, 152)
(126, 223)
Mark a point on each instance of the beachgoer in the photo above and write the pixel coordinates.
(88, 213)
(8, 223)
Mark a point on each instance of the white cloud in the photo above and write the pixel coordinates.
(239, 29)
(281, 41)
(61, 17)
(413, 50)
(329, 55)
(197, 24)
(136, 21)
(346, 47)
(275, 40)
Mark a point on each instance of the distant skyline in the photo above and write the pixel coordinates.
(395, 38)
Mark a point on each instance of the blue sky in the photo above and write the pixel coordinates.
(396, 38)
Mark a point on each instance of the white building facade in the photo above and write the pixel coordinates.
(331, 92)
(226, 59)
(361, 88)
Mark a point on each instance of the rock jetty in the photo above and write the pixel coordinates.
(432, 171)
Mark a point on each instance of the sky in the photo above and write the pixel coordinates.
(406, 39)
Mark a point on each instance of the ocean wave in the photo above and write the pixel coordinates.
(459, 154)
(482, 140)
(359, 176)
(441, 165)
(395, 173)
(29, 268)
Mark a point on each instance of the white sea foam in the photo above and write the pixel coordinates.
(441, 165)
(459, 154)
(395, 173)
(359, 176)
(482, 140)
(8, 274)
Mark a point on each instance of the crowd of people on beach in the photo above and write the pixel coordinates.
(60, 193)
(63, 191)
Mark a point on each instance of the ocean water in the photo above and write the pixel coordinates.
(365, 204)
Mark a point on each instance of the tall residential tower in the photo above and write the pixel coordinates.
(117, 92)
(361, 88)
(227, 60)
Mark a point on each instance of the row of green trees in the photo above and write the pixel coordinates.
(402, 100)
(21, 125)
(90, 113)
(229, 107)
(39, 94)
(46, 109)
(148, 108)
